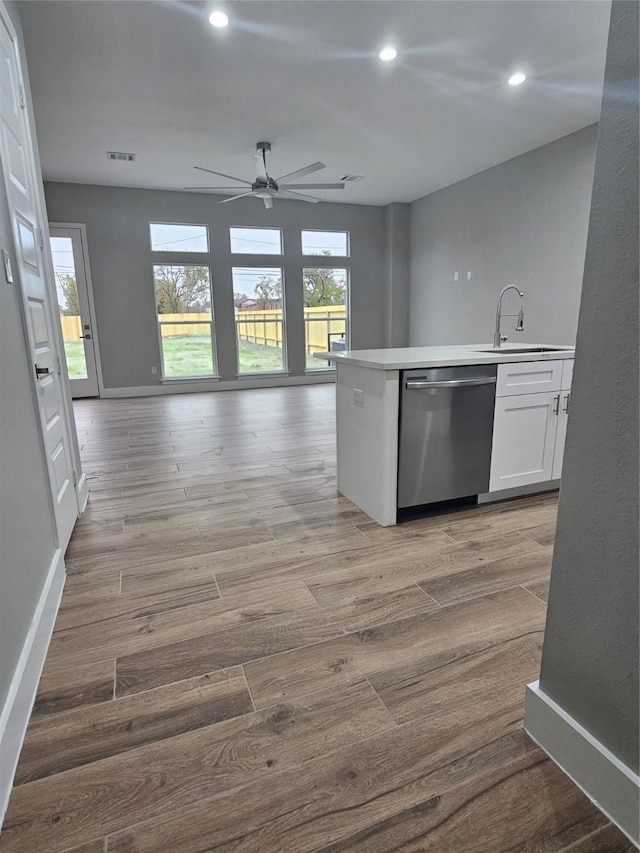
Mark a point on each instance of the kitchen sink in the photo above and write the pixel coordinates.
(522, 350)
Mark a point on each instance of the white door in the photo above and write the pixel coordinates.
(16, 152)
(70, 268)
(524, 435)
(561, 434)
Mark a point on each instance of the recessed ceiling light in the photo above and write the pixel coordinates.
(388, 53)
(517, 78)
(218, 19)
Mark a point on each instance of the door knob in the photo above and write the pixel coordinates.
(85, 337)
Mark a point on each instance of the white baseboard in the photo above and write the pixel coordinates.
(24, 684)
(216, 385)
(610, 784)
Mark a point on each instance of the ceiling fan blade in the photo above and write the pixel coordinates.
(261, 167)
(234, 197)
(296, 196)
(300, 173)
(268, 203)
(312, 186)
(211, 188)
(222, 175)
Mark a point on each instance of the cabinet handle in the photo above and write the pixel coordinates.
(567, 397)
(556, 404)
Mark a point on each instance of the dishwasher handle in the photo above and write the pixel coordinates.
(410, 384)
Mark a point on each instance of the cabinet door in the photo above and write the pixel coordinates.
(524, 434)
(561, 434)
(529, 377)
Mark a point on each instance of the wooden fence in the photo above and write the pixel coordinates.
(71, 327)
(260, 327)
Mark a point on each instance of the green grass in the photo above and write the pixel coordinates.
(76, 364)
(188, 356)
(191, 356)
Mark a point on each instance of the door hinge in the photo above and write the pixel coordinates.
(59, 365)
(75, 478)
(23, 100)
(41, 238)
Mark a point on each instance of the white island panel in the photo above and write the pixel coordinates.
(367, 439)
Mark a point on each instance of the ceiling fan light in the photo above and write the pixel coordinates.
(388, 53)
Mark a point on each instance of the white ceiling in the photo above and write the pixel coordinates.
(156, 79)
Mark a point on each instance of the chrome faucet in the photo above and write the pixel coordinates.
(498, 339)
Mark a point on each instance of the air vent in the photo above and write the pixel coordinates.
(352, 177)
(121, 155)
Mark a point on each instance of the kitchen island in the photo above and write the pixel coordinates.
(532, 396)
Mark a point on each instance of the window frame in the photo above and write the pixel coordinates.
(325, 231)
(284, 371)
(215, 374)
(207, 251)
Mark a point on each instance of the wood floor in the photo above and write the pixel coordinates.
(243, 661)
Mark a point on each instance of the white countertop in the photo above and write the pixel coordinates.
(407, 358)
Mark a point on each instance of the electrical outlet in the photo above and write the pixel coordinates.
(154, 370)
(358, 397)
(456, 276)
(469, 275)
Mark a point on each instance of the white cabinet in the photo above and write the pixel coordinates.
(529, 429)
(524, 436)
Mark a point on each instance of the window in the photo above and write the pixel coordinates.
(185, 320)
(325, 243)
(64, 270)
(259, 314)
(326, 297)
(256, 241)
(167, 237)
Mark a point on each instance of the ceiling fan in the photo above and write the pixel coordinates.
(268, 188)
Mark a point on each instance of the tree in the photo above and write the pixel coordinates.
(321, 287)
(69, 289)
(182, 289)
(268, 292)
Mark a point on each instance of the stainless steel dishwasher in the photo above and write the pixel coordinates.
(446, 427)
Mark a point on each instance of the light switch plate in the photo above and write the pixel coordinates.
(8, 272)
(358, 397)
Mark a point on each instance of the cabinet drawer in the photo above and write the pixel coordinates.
(528, 377)
(567, 374)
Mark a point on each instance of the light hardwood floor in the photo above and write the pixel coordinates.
(243, 661)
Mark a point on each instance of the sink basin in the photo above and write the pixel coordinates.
(522, 350)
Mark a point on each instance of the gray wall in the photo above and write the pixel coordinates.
(27, 535)
(590, 655)
(117, 221)
(397, 219)
(522, 222)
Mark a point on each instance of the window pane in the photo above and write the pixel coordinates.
(186, 349)
(325, 312)
(325, 243)
(259, 312)
(183, 299)
(64, 271)
(166, 237)
(256, 241)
